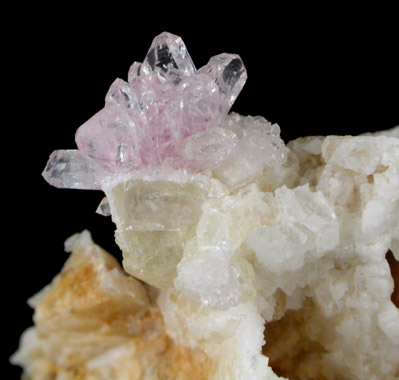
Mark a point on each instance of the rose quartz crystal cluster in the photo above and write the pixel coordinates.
(167, 114)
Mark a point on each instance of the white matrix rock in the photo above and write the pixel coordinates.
(271, 264)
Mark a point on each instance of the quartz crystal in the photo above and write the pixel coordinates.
(71, 169)
(167, 115)
(257, 260)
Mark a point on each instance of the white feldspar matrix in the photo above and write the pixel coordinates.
(257, 260)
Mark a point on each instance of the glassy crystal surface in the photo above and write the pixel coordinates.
(169, 58)
(206, 149)
(109, 139)
(157, 205)
(103, 208)
(168, 114)
(229, 73)
(120, 93)
(134, 71)
(70, 169)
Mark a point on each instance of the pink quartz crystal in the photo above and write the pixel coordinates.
(168, 114)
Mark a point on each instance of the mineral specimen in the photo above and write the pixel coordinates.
(96, 322)
(169, 114)
(260, 260)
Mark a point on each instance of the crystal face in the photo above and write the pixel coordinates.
(168, 114)
(168, 58)
(71, 169)
(257, 260)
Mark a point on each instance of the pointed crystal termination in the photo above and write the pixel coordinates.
(169, 58)
(120, 93)
(103, 208)
(229, 73)
(109, 138)
(134, 71)
(71, 170)
(168, 114)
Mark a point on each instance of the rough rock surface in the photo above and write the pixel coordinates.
(282, 272)
(261, 261)
(95, 322)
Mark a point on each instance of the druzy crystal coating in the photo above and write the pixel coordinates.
(168, 114)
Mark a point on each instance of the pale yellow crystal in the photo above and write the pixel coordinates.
(155, 219)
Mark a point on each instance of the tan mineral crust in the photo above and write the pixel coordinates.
(276, 268)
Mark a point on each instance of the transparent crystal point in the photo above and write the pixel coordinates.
(71, 170)
(120, 93)
(165, 115)
(134, 71)
(229, 73)
(169, 58)
(103, 208)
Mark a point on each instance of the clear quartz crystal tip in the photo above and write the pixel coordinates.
(70, 169)
(168, 114)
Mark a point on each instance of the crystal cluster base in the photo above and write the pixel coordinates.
(283, 275)
(257, 260)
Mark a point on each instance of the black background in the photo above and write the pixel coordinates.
(313, 75)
